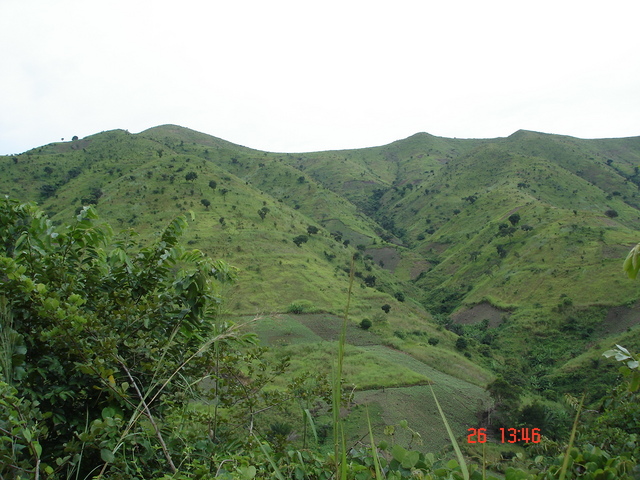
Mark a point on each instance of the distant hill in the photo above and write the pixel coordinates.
(527, 232)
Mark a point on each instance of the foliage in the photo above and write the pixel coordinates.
(300, 239)
(632, 368)
(301, 306)
(263, 212)
(365, 324)
(631, 264)
(102, 341)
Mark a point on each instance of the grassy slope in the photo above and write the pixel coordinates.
(440, 202)
(392, 383)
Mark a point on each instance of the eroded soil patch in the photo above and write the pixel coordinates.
(328, 328)
(619, 319)
(479, 312)
(389, 256)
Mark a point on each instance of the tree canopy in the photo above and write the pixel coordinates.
(101, 339)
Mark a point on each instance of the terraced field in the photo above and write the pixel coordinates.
(387, 405)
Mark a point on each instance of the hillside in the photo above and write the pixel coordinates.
(474, 260)
(526, 231)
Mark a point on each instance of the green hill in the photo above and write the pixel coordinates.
(480, 259)
(529, 224)
(524, 223)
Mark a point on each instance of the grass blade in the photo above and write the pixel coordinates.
(374, 450)
(567, 454)
(454, 443)
(339, 446)
(276, 470)
(311, 423)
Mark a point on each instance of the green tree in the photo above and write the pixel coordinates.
(107, 340)
(263, 212)
(191, 176)
(312, 229)
(386, 308)
(461, 343)
(370, 280)
(213, 184)
(206, 203)
(300, 239)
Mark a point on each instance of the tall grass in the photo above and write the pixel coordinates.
(339, 447)
(454, 443)
(567, 454)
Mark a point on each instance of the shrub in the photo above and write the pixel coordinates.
(433, 341)
(399, 296)
(301, 306)
(300, 239)
(461, 343)
(365, 324)
(386, 307)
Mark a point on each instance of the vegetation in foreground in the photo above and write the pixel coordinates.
(115, 363)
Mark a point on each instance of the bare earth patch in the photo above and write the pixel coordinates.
(328, 328)
(479, 312)
(619, 319)
(389, 256)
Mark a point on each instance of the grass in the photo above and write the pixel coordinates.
(392, 383)
(362, 369)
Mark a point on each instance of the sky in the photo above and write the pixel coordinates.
(307, 75)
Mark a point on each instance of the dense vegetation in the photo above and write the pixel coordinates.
(495, 262)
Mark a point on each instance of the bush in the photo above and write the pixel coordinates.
(365, 324)
(433, 341)
(300, 239)
(301, 306)
(399, 296)
(461, 343)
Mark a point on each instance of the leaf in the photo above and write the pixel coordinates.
(411, 459)
(311, 424)
(20, 240)
(248, 472)
(107, 455)
(631, 264)
(398, 453)
(622, 349)
(621, 357)
(633, 364)
(38, 449)
(108, 412)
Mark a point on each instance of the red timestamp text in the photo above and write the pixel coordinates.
(507, 435)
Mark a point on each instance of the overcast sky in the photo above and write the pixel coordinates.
(303, 75)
